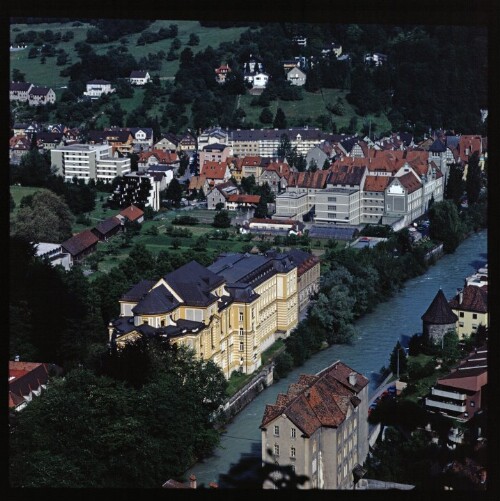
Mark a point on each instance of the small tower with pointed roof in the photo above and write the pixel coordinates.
(438, 319)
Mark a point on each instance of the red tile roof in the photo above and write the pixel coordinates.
(80, 242)
(318, 401)
(470, 143)
(132, 213)
(376, 183)
(213, 170)
(248, 199)
(164, 157)
(25, 377)
(473, 299)
(308, 179)
(410, 182)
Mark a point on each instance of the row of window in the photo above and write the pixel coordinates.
(293, 432)
(293, 451)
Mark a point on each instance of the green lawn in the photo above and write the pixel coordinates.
(18, 192)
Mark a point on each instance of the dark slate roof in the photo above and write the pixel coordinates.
(39, 91)
(138, 290)
(194, 283)
(242, 292)
(138, 74)
(49, 137)
(237, 267)
(96, 136)
(20, 86)
(406, 137)
(147, 130)
(452, 141)
(439, 311)
(158, 300)
(437, 146)
(214, 146)
(332, 231)
(79, 242)
(108, 225)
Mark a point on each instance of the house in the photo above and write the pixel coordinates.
(49, 140)
(168, 142)
(39, 96)
(237, 201)
(470, 305)
(258, 80)
(220, 193)
(438, 319)
(142, 137)
(107, 228)
(54, 254)
(215, 172)
(120, 140)
(229, 312)
(80, 245)
(26, 380)
(253, 166)
(187, 143)
(221, 73)
(319, 427)
(139, 77)
(296, 76)
(332, 48)
(199, 183)
(149, 159)
(375, 59)
(460, 394)
(132, 214)
(18, 147)
(19, 91)
(214, 152)
(96, 88)
(275, 175)
(274, 226)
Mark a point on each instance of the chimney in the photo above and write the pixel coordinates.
(352, 379)
(192, 481)
(460, 292)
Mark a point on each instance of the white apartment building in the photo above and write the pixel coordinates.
(88, 161)
(96, 88)
(291, 204)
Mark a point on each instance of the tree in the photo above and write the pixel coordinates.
(266, 116)
(398, 361)
(261, 209)
(279, 119)
(193, 39)
(455, 185)
(174, 192)
(451, 348)
(18, 75)
(445, 224)
(222, 219)
(473, 179)
(45, 218)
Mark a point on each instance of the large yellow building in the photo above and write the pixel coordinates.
(470, 305)
(228, 312)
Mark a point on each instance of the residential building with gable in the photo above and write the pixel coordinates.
(319, 427)
(26, 380)
(470, 305)
(219, 194)
(96, 88)
(19, 91)
(139, 77)
(40, 96)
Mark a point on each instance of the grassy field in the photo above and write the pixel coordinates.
(305, 112)
(18, 192)
(49, 73)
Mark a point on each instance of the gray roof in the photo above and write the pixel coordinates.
(194, 283)
(438, 146)
(331, 231)
(237, 267)
(158, 300)
(138, 290)
(107, 225)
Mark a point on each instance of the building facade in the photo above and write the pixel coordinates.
(228, 312)
(319, 427)
(87, 161)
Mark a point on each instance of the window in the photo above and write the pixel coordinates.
(242, 347)
(474, 316)
(276, 431)
(332, 199)
(276, 450)
(241, 331)
(461, 314)
(471, 403)
(460, 324)
(293, 432)
(241, 316)
(292, 452)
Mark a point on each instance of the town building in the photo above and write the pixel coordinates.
(319, 427)
(87, 161)
(80, 245)
(139, 77)
(19, 91)
(96, 88)
(40, 96)
(470, 305)
(219, 194)
(55, 254)
(228, 312)
(296, 76)
(26, 380)
(461, 393)
(222, 72)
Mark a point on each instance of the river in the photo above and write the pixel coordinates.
(378, 332)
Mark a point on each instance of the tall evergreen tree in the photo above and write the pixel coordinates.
(279, 119)
(473, 179)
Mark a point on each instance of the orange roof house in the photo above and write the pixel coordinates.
(133, 213)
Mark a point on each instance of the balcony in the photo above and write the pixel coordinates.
(445, 405)
(449, 394)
